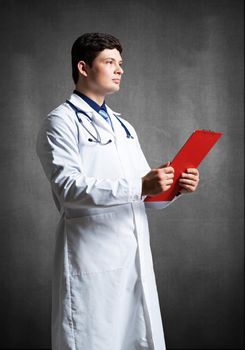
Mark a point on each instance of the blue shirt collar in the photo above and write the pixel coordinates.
(91, 102)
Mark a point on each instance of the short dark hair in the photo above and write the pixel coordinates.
(88, 46)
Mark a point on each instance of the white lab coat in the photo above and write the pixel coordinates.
(104, 293)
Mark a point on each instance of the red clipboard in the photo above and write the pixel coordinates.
(189, 156)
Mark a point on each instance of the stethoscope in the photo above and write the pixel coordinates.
(96, 138)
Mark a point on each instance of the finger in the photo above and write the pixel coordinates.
(169, 176)
(187, 182)
(193, 171)
(188, 188)
(167, 182)
(166, 173)
(164, 165)
(166, 187)
(168, 170)
(189, 176)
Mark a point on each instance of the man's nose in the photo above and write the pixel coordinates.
(119, 70)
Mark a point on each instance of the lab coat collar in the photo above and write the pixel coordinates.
(81, 104)
(99, 120)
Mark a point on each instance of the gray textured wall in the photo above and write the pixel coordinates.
(183, 71)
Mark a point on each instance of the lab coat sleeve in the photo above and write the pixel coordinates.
(57, 148)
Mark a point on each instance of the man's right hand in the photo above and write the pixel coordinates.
(158, 180)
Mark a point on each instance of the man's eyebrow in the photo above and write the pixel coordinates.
(111, 58)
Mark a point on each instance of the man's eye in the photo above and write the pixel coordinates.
(109, 62)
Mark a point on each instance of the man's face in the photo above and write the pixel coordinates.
(105, 74)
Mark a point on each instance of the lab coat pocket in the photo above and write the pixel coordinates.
(93, 244)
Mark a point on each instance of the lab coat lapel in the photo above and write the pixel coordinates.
(98, 119)
(118, 130)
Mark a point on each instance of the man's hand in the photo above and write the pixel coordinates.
(189, 180)
(158, 180)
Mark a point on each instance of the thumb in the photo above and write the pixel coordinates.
(164, 165)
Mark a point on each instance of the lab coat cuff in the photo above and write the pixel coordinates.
(135, 190)
(162, 204)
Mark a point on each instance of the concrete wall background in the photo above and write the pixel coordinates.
(183, 63)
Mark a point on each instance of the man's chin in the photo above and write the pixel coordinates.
(112, 90)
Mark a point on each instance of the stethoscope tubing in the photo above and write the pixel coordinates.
(96, 138)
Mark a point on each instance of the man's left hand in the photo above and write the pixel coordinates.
(189, 180)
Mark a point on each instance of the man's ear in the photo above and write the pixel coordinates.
(82, 68)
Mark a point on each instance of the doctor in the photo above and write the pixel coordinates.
(104, 290)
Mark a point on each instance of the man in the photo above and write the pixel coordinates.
(104, 289)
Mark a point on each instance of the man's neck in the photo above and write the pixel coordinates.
(99, 99)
